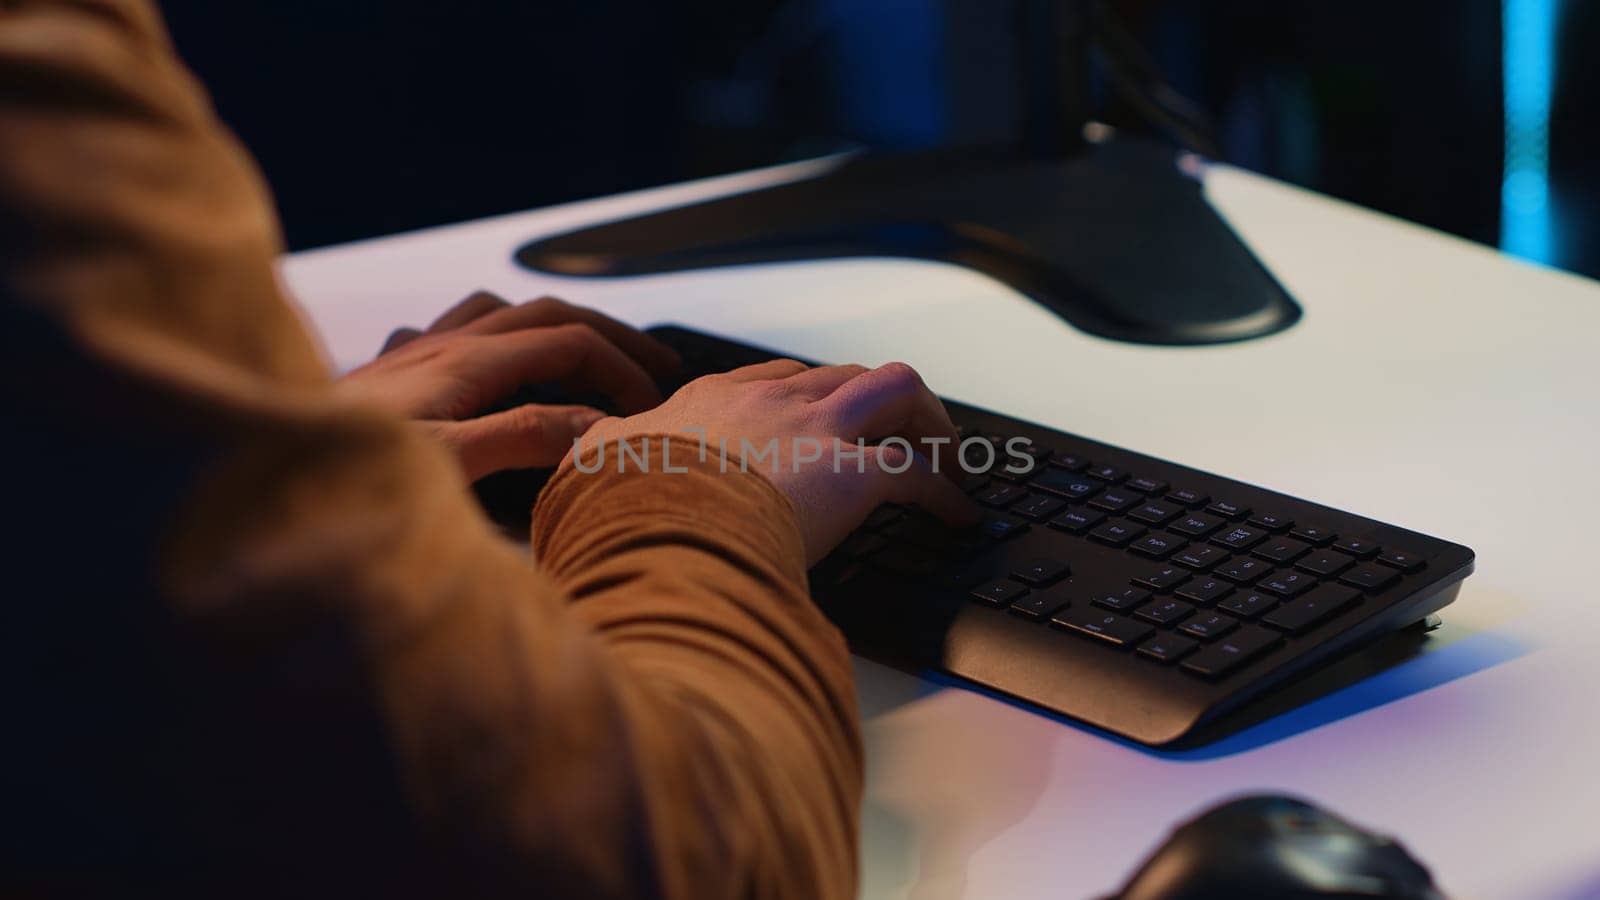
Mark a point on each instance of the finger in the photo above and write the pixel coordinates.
(523, 437)
(892, 400)
(767, 371)
(399, 338)
(899, 477)
(815, 384)
(657, 358)
(477, 305)
(574, 355)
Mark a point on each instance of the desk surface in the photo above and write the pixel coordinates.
(1432, 383)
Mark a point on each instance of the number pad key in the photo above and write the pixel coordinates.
(1167, 647)
(1200, 558)
(1209, 626)
(1240, 538)
(1243, 569)
(1248, 604)
(1282, 550)
(1231, 652)
(1162, 579)
(1103, 626)
(1165, 611)
(1322, 604)
(1205, 590)
(1287, 584)
(1370, 578)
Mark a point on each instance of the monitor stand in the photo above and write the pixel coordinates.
(1117, 239)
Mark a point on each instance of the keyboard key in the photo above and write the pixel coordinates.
(1241, 537)
(1196, 525)
(1243, 569)
(1147, 485)
(1038, 507)
(1359, 547)
(1114, 500)
(999, 528)
(1282, 550)
(1039, 605)
(1200, 558)
(1248, 604)
(1326, 563)
(1404, 560)
(1000, 495)
(1161, 579)
(1167, 647)
(1066, 484)
(1287, 584)
(1000, 593)
(1164, 611)
(1117, 533)
(1315, 535)
(1229, 509)
(1107, 473)
(1271, 522)
(1077, 520)
(1155, 513)
(1123, 601)
(1069, 461)
(1041, 571)
(1209, 626)
(1188, 497)
(1370, 578)
(1158, 546)
(1232, 652)
(972, 483)
(1104, 626)
(1322, 604)
(1205, 590)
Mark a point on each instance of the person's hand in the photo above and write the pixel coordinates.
(809, 413)
(483, 350)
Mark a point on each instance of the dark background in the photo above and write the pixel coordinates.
(375, 116)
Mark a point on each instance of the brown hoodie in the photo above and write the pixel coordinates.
(258, 640)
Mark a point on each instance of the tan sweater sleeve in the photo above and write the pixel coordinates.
(269, 632)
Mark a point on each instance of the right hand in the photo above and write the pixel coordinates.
(785, 399)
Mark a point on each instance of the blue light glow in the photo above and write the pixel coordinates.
(1529, 72)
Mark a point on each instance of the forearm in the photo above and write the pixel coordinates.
(695, 584)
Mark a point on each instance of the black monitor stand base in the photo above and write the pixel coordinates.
(1117, 240)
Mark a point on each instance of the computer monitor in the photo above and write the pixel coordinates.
(1113, 235)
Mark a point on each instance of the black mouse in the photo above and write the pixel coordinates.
(1278, 847)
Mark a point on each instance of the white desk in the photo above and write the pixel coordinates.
(1432, 383)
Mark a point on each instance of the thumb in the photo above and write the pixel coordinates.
(523, 437)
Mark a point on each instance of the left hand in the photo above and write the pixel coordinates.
(483, 349)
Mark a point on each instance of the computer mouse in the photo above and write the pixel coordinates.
(1277, 847)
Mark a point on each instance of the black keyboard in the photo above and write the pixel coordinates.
(1135, 594)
